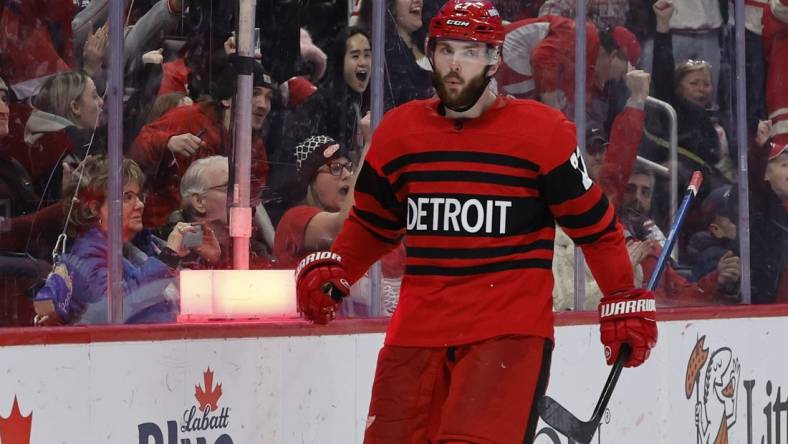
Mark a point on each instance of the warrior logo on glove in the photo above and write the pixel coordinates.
(627, 307)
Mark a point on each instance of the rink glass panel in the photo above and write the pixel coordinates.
(201, 35)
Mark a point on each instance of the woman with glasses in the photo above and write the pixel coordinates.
(326, 179)
(149, 263)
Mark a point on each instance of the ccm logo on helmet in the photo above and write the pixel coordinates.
(626, 307)
(458, 23)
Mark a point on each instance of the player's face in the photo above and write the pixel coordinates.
(358, 58)
(332, 183)
(459, 70)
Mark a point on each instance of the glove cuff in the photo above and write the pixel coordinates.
(634, 303)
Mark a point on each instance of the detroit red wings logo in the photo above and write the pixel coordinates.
(15, 428)
(208, 396)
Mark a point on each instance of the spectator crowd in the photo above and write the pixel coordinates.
(311, 128)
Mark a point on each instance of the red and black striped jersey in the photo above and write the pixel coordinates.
(477, 201)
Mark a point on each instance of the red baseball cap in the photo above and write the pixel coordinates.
(777, 149)
(628, 43)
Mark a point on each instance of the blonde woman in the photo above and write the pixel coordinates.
(61, 129)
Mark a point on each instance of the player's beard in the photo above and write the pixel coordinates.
(467, 96)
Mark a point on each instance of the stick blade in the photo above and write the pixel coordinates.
(561, 419)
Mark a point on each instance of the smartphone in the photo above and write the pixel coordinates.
(193, 237)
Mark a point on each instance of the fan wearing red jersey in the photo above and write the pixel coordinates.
(475, 183)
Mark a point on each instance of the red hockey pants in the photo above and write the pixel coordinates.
(482, 393)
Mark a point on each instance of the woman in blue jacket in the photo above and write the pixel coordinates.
(149, 264)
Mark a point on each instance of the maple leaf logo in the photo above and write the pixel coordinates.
(208, 397)
(15, 429)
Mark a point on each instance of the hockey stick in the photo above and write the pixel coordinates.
(562, 419)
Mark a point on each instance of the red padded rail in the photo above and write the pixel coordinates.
(283, 328)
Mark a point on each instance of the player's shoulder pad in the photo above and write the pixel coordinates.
(556, 134)
(396, 124)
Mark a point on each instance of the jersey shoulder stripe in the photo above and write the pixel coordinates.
(370, 182)
(395, 240)
(589, 218)
(378, 221)
(566, 182)
(594, 237)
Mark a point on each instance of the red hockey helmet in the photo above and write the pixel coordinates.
(468, 20)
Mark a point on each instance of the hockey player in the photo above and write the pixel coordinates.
(475, 182)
